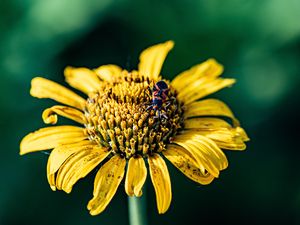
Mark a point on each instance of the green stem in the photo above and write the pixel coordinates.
(137, 210)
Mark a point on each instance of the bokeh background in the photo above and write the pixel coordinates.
(258, 42)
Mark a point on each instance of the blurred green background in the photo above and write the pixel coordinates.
(258, 42)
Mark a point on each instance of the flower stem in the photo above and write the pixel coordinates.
(137, 210)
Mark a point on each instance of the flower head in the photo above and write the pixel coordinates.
(130, 118)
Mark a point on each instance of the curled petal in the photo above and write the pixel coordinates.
(152, 59)
(161, 181)
(209, 107)
(51, 137)
(78, 166)
(82, 79)
(136, 176)
(183, 160)
(50, 115)
(44, 88)
(206, 71)
(108, 72)
(106, 184)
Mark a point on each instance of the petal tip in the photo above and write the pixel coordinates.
(23, 149)
(34, 85)
(94, 213)
(53, 188)
(68, 72)
(68, 69)
(163, 210)
(21, 152)
(170, 44)
(68, 191)
(231, 81)
(36, 79)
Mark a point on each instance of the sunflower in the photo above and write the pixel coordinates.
(132, 120)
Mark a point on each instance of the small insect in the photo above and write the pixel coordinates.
(161, 89)
(159, 96)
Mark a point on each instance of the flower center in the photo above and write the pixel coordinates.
(133, 115)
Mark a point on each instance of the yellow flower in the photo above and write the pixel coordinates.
(129, 119)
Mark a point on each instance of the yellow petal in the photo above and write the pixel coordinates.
(50, 178)
(78, 166)
(60, 176)
(210, 151)
(43, 88)
(207, 154)
(241, 132)
(50, 115)
(51, 137)
(206, 123)
(82, 79)
(213, 124)
(207, 70)
(200, 81)
(161, 181)
(136, 176)
(152, 59)
(84, 167)
(209, 107)
(203, 162)
(182, 159)
(106, 184)
(108, 72)
(200, 89)
(59, 154)
(231, 139)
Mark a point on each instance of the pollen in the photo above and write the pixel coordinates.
(119, 116)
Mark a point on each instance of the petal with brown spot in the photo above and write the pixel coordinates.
(106, 184)
(182, 159)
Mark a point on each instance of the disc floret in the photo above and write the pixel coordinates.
(118, 117)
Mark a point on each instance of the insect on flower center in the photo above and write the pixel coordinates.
(133, 115)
